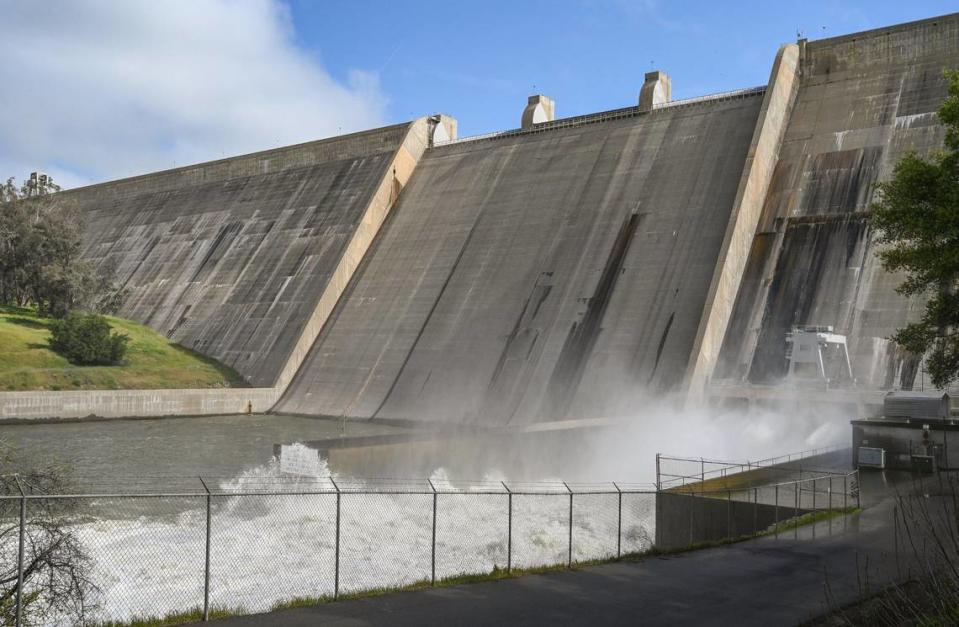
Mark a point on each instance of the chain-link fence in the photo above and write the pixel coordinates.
(713, 510)
(249, 546)
(160, 546)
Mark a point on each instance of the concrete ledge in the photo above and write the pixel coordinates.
(31, 405)
(275, 160)
(397, 174)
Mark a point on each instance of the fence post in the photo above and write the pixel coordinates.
(20, 551)
(858, 491)
(659, 485)
(755, 509)
(814, 495)
(845, 491)
(830, 492)
(206, 564)
(796, 490)
(336, 558)
(619, 523)
(729, 513)
(702, 475)
(509, 528)
(776, 513)
(569, 562)
(433, 550)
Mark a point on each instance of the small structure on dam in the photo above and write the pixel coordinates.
(557, 270)
(917, 431)
(820, 352)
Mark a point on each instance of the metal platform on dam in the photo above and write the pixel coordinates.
(560, 270)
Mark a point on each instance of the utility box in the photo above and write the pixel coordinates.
(925, 464)
(870, 457)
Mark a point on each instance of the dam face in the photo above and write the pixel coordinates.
(541, 275)
(231, 258)
(551, 272)
(864, 101)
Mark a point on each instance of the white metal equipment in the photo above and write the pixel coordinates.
(820, 347)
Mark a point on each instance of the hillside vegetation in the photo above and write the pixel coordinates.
(151, 361)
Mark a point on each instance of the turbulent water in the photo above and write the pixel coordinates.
(149, 553)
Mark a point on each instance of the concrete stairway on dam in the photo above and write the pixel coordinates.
(556, 271)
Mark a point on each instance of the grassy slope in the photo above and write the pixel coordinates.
(152, 361)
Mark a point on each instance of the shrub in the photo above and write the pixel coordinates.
(86, 340)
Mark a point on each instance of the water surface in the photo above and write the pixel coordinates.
(214, 446)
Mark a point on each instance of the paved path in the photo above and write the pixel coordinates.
(760, 582)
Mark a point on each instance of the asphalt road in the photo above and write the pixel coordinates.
(767, 581)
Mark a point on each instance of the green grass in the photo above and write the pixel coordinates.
(152, 361)
(191, 615)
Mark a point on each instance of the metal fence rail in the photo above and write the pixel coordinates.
(674, 471)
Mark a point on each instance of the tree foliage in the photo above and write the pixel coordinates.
(57, 584)
(40, 265)
(917, 216)
(86, 340)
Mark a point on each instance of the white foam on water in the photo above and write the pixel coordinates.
(271, 548)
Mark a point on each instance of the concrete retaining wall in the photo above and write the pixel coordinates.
(683, 520)
(134, 403)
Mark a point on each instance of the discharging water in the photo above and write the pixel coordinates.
(148, 553)
(272, 548)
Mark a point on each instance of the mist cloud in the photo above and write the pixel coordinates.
(94, 90)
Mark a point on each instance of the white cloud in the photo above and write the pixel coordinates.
(94, 90)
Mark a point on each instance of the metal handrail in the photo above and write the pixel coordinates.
(771, 463)
(698, 492)
(561, 488)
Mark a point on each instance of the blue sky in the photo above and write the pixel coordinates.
(478, 61)
(111, 88)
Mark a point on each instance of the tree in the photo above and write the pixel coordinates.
(86, 340)
(40, 247)
(57, 584)
(917, 217)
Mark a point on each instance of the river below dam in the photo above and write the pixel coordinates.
(214, 446)
(153, 550)
(146, 553)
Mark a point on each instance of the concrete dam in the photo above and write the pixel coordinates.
(560, 270)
